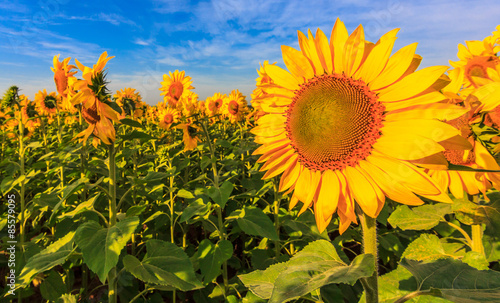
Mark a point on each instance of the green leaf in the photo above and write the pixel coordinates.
(85, 206)
(55, 254)
(221, 195)
(476, 260)
(67, 191)
(52, 287)
(137, 135)
(430, 247)
(317, 265)
(131, 122)
(185, 194)
(456, 281)
(101, 247)
(253, 221)
(136, 210)
(212, 256)
(195, 208)
(419, 218)
(164, 264)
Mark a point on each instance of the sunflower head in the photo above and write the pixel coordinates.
(189, 137)
(235, 106)
(347, 119)
(167, 117)
(175, 86)
(62, 72)
(213, 105)
(10, 97)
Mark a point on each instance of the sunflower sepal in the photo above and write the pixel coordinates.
(467, 168)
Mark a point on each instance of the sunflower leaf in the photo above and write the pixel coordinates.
(419, 218)
(165, 264)
(455, 281)
(101, 247)
(317, 265)
(131, 122)
(221, 195)
(253, 221)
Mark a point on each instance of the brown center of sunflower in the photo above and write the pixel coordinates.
(90, 114)
(50, 102)
(333, 121)
(457, 157)
(175, 90)
(233, 107)
(168, 119)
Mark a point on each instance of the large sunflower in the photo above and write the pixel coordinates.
(175, 87)
(349, 122)
(47, 102)
(92, 94)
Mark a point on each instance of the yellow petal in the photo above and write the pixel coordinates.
(354, 50)
(297, 64)
(281, 77)
(441, 111)
(324, 51)
(489, 96)
(432, 129)
(406, 146)
(328, 197)
(376, 61)
(309, 51)
(395, 68)
(422, 99)
(362, 190)
(412, 84)
(290, 175)
(338, 39)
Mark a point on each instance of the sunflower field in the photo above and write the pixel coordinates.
(105, 198)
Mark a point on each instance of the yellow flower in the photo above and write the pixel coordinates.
(130, 102)
(92, 94)
(349, 122)
(175, 87)
(189, 136)
(262, 81)
(189, 104)
(477, 58)
(47, 103)
(29, 114)
(235, 106)
(62, 72)
(167, 117)
(214, 104)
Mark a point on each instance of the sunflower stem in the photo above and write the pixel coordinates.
(370, 284)
(276, 208)
(112, 295)
(477, 233)
(21, 212)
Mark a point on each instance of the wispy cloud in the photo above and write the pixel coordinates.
(13, 6)
(112, 18)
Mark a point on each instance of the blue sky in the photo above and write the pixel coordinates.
(219, 43)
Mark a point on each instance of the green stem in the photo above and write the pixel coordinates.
(59, 138)
(112, 295)
(276, 208)
(140, 294)
(370, 284)
(23, 173)
(477, 233)
(172, 223)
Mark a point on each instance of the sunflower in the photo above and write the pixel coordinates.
(167, 117)
(92, 94)
(214, 104)
(476, 58)
(29, 114)
(130, 102)
(478, 156)
(262, 81)
(349, 123)
(175, 87)
(235, 106)
(47, 103)
(62, 72)
(189, 104)
(189, 135)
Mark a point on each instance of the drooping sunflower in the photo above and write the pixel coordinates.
(175, 87)
(235, 106)
(349, 122)
(92, 95)
(62, 72)
(189, 137)
(167, 117)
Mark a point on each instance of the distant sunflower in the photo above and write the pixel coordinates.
(92, 94)
(47, 103)
(214, 104)
(349, 122)
(235, 106)
(167, 117)
(29, 114)
(175, 87)
(130, 102)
